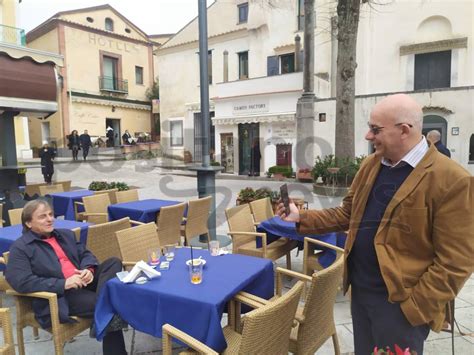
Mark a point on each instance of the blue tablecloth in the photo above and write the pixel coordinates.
(63, 202)
(275, 228)
(9, 234)
(141, 211)
(195, 309)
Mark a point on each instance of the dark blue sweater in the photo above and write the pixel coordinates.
(364, 269)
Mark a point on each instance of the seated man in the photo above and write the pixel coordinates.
(46, 259)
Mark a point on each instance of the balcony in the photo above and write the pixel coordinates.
(12, 35)
(111, 84)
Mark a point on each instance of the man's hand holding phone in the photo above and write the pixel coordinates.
(286, 209)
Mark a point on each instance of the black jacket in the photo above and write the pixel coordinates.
(47, 155)
(34, 267)
(85, 140)
(73, 141)
(442, 149)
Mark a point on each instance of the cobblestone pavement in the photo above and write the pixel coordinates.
(179, 184)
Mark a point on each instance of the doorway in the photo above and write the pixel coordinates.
(227, 152)
(435, 122)
(113, 123)
(248, 135)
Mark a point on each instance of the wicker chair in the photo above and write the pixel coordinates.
(33, 189)
(266, 330)
(169, 224)
(15, 216)
(50, 189)
(101, 239)
(316, 317)
(126, 196)
(79, 216)
(135, 242)
(311, 254)
(244, 235)
(95, 207)
(261, 210)
(8, 347)
(1, 215)
(197, 218)
(66, 184)
(110, 192)
(25, 316)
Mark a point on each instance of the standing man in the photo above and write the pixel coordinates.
(86, 143)
(435, 138)
(47, 155)
(409, 213)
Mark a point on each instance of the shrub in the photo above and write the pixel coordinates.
(348, 168)
(104, 185)
(285, 170)
(248, 194)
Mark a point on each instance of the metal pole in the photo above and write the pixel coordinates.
(204, 81)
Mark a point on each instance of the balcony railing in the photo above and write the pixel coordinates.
(107, 83)
(12, 35)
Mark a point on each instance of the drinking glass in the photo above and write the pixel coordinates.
(169, 252)
(154, 256)
(214, 246)
(195, 271)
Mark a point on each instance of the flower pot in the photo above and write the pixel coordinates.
(304, 176)
(278, 176)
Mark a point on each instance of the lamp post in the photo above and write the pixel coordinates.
(206, 174)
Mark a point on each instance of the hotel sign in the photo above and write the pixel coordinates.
(112, 44)
(250, 107)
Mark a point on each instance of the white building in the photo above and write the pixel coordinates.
(422, 48)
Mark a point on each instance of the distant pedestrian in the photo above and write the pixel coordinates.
(74, 144)
(435, 138)
(110, 137)
(86, 143)
(255, 157)
(127, 138)
(47, 155)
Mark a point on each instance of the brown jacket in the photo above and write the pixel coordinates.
(425, 241)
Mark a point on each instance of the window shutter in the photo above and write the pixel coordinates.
(272, 65)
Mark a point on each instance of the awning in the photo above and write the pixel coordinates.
(253, 119)
(27, 87)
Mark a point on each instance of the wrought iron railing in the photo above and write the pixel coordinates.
(107, 83)
(12, 35)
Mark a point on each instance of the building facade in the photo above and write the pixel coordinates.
(108, 68)
(255, 79)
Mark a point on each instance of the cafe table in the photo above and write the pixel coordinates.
(142, 211)
(172, 298)
(276, 228)
(9, 234)
(63, 202)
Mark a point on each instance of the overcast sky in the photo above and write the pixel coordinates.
(152, 16)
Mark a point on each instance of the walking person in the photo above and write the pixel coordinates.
(74, 144)
(86, 143)
(410, 229)
(435, 138)
(110, 137)
(255, 157)
(47, 155)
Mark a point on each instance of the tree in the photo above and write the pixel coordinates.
(153, 92)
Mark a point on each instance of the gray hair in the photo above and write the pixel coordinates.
(433, 135)
(30, 208)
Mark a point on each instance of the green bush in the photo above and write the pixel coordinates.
(104, 185)
(286, 171)
(248, 194)
(215, 163)
(348, 168)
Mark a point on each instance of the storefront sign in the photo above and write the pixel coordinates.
(249, 108)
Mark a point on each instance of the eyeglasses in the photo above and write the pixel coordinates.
(376, 129)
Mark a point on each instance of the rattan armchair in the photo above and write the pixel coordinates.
(25, 316)
(311, 254)
(95, 207)
(244, 236)
(261, 210)
(126, 196)
(266, 330)
(169, 224)
(316, 317)
(50, 189)
(197, 219)
(15, 216)
(135, 242)
(79, 216)
(101, 239)
(110, 192)
(8, 347)
(1, 215)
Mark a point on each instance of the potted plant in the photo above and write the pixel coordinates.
(245, 195)
(280, 172)
(304, 174)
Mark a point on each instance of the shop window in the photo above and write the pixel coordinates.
(176, 133)
(433, 70)
(287, 63)
(109, 24)
(243, 12)
(243, 65)
(138, 75)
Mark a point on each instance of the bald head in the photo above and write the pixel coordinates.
(401, 108)
(433, 136)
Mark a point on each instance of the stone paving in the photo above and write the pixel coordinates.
(178, 184)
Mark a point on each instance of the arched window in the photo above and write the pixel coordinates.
(471, 149)
(439, 123)
(109, 24)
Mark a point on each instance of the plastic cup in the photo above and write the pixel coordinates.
(169, 252)
(214, 247)
(154, 256)
(195, 271)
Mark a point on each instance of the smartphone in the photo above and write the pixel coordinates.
(285, 198)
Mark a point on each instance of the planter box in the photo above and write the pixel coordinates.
(306, 177)
(128, 149)
(142, 147)
(278, 176)
(333, 191)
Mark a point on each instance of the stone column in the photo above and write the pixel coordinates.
(305, 107)
(297, 53)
